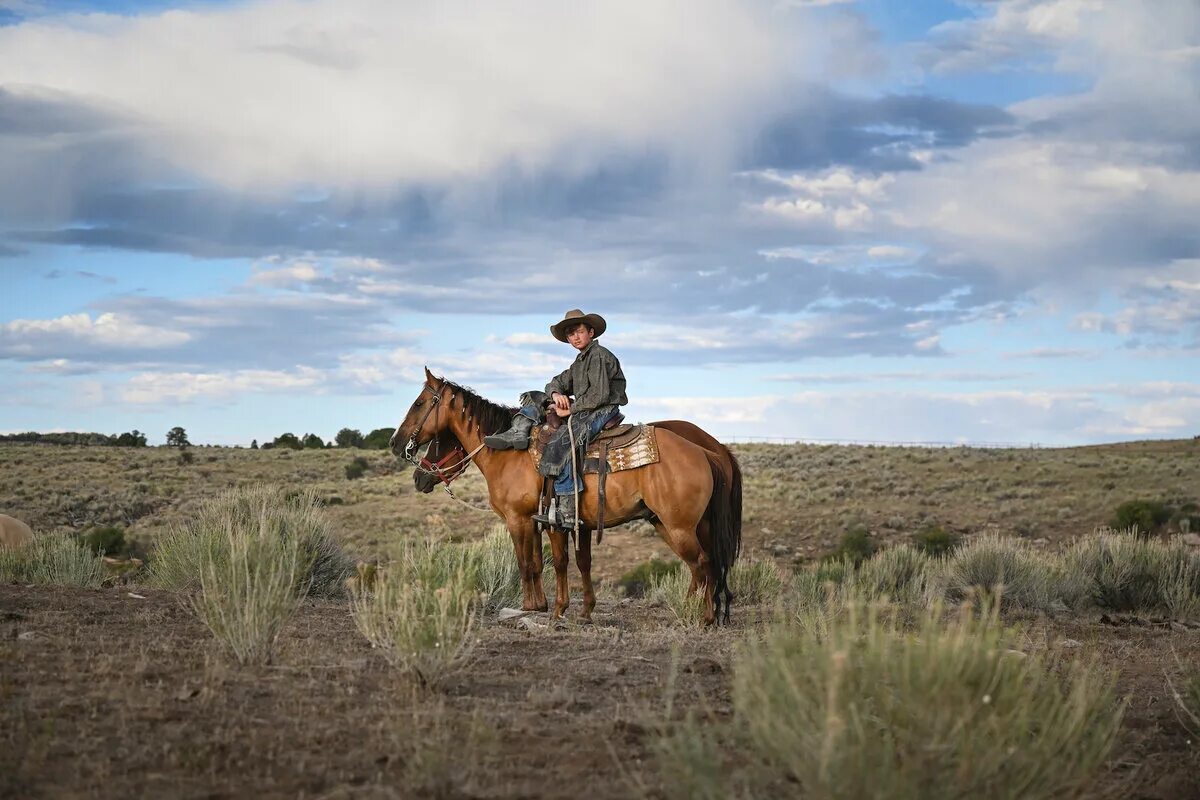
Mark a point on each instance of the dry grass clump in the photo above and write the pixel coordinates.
(671, 590)
(421, 610)
(56, 559)
(1023, 576)
(1127, 573)
(857, 706)
(182, 551)
(754, 582)
(250, 588)
(497, 576)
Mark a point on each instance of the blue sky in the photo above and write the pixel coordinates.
(943, 221)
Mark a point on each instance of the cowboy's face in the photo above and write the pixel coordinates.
(580, 336)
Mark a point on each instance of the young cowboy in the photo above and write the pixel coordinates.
(598, 384)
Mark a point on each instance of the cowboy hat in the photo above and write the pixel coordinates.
(574, 317)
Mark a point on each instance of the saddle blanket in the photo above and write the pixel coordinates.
(629, 447)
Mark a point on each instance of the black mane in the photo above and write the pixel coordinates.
(489, 417)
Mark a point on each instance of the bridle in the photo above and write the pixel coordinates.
(439, 469)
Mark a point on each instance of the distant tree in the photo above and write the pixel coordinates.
(267, 446)
(177, 437)
(288, 440)
(378, 439)
(349, 437)
(133, 438)
(254, 444)
(313, 442)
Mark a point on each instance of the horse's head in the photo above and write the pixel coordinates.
(426, 418)
(443, 461)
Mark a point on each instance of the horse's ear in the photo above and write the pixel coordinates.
(428, 374)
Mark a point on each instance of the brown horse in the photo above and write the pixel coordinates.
(446, 458)
(685, 494)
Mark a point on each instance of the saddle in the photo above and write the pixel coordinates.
(622, 446)
(616, 448)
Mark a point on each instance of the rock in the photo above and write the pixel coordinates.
(1191, 539)
(26, 636)
(525, 623)
(507, 614)
(1070, 643)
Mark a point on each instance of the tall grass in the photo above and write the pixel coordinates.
(671, 590)
(182, 551)
(1126, 573)
(251, 588)
(855, 705)
(58, 560)
(1023, 576)
(754, 582)
(422, 610)
(496, 574)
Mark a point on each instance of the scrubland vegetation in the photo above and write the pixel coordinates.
(928, 659)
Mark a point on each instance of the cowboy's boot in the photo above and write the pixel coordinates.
(566, 512)
(515, 438)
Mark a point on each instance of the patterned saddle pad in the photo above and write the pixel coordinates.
(629, 447)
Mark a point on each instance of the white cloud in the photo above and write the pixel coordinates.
(291, 275)
(46, 338)
(162, 388)
(373, 92)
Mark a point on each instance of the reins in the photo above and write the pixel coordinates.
(439, 469)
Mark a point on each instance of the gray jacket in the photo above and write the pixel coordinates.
(594, 377)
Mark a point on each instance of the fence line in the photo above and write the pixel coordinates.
(877, 442)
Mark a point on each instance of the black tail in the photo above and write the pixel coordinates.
(735, 503)
(725, 535)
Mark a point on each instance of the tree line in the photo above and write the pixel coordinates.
(177, 437)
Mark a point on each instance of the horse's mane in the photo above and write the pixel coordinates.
(489, 417)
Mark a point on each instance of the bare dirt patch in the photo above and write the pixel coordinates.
(107, 695)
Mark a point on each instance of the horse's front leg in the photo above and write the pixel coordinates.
(584, 559)
(562, 595)
(532, 596)
(535, 550)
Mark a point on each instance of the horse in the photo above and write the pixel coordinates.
(686, 495)
(446, 458)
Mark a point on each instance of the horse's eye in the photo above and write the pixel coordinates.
(418, 404)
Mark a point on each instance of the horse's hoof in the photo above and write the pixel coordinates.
(542, 607)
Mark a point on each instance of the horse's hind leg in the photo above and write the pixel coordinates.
(662, 532)
(686, 545)
(562, 595)
(583, 557)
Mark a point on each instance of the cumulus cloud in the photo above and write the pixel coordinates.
(73, 333)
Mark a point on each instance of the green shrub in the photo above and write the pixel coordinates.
(755, 582)
(356, 468)
(57, 560)
(251, 588)
(856, 545)
(935, 540)
(637, 581)
(1147, 516)
(181, 550)
(421, 610)
(106, 540)
(856, 706)
(1024, 577)
(671, 590)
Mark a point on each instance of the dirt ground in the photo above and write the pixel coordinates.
(103, 694)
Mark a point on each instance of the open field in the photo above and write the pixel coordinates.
(108, 694)
(799, 499)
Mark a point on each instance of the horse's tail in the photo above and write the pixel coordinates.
(735, 502)
(724, 534)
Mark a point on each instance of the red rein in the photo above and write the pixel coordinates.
(436, 467)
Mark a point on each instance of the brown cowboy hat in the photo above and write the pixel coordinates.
(574, 317)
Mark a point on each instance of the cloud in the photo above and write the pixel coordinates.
(163, 388)
(470, 88)
(81, 333)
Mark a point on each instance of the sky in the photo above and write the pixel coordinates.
(818, 219)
